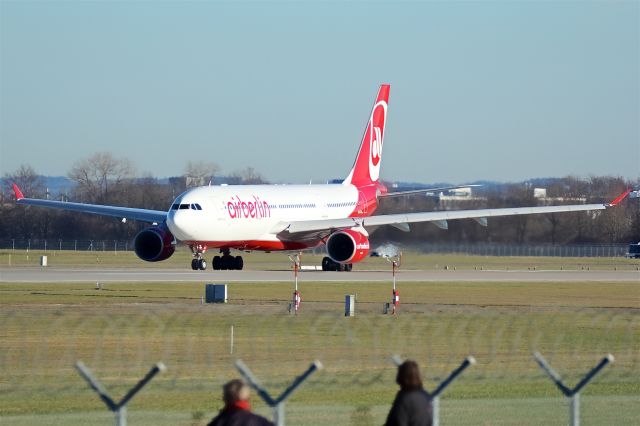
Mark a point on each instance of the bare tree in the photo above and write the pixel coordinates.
(247, 176)
(198, 173)
(27, 179)
(15, 221)
(100, 176)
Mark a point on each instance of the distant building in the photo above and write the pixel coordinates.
(540, 193)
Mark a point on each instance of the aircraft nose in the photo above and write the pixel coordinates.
(179, 225)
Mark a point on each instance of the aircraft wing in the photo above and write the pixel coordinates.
(311, 226)
(143, 215)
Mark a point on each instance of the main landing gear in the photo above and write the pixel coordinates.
(226, 261)
(329, 265)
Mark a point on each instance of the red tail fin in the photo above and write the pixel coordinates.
(366, 169)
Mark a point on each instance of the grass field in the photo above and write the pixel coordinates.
(121, 330)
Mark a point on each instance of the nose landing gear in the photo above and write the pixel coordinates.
(198, 262)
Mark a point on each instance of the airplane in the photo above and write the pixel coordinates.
(290, 218)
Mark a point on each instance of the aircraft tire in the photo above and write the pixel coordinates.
(238, 263)
(226, 262)
(216, 263)
(327, 264)
(194, 264)
(202, 264)
(348, 267)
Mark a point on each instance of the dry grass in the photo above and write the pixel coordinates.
(123, 329)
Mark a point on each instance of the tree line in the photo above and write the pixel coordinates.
(104, 179)
(100, 179)
(615, 225)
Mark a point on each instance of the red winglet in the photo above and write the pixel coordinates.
(620, 198)
(17, 192)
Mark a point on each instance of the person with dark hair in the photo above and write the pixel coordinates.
(412, 406)
(237, 411)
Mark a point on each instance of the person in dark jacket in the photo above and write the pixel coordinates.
(237, 411)
(412, 406)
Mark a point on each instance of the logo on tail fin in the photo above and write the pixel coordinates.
(366, 168)
(375, 129)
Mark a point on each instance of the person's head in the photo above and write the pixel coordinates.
(234, 391)
(409, 376)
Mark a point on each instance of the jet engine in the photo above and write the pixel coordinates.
(347, 246)
(154, 244)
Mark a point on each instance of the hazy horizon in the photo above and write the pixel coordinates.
(497, 91)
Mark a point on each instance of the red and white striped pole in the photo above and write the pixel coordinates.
(296, 294)
(395, 297)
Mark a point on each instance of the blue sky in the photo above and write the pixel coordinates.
(479, 90)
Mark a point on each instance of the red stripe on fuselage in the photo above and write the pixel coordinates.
(257, 245)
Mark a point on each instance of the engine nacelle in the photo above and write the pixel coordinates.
(154, 244)
(347, 246)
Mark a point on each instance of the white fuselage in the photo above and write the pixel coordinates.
(245, 216)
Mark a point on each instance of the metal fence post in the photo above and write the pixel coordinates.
(120, 408)
(573, 394)
(435, 406)
(277, 404)
(121, 416)
(574, 417)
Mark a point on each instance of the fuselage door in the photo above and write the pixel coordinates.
(362, 204)
(322, 205)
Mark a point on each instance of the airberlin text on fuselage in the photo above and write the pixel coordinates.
(255, 209)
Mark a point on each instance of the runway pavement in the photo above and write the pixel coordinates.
(55, 274)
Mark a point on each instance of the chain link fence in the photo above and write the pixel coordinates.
(71, 245)
(479, 249)
(42, 344)
(530, 250)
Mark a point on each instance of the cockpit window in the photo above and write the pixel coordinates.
(194, 206)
